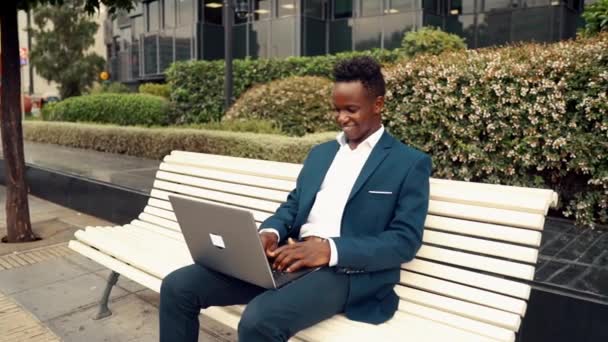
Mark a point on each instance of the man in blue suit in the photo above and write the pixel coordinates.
(357, 211)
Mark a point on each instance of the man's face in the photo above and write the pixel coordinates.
(357, 111)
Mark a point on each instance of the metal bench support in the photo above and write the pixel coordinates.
(104, 311)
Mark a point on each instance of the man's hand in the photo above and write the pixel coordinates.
(270, 242)
(295, 255)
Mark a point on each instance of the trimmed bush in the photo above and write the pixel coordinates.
(242, 125)
(197, 87)
(298, 105)
(432, 41)
(155, 143)
(121, 109)
(596, 17)
(156, 89)
(532, 115)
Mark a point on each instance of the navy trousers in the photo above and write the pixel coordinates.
(271, 315)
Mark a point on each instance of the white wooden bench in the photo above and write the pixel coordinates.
(467, 282)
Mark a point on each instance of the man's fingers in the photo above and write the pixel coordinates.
(296, 265)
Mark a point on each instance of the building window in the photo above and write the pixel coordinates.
(213, 12)
(261, 9)
(371, 8)
(343, 9)
(432, 7)
(185, 12)
(286, 8)
(314, 8)
(399, 6)
(489, 5)
(153, 10)
(169, 13)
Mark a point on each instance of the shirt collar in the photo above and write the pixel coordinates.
(371, 141)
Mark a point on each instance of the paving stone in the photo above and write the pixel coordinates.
(132, 320)
(29, 277)
(66, 296)
(84, 262)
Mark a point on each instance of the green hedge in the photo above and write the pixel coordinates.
(121, 109)
(155, 143)
(298, 105)
(432, 41)
(532, 115)
(156, 89)
(197, 87)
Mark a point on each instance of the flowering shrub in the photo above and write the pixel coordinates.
(298, 105)
(197, 87)
(532, 115)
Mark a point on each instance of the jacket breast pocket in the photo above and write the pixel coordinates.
(380, 195)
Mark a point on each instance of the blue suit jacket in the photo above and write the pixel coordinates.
(379, 231)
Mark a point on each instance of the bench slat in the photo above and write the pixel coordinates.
(259, 216)
(200, 171)
(550, 195)
(457, 321)
(218, 196)
(254, 167)
(463, 292)
(158, 230)
(476, 279)
(509, 201)
(486, 230)
(478, 262)
(491, 215)
(499, 249)
(477, 312)
(231, 188)
(172, 225)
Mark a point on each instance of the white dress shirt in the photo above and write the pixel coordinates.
(325, 217)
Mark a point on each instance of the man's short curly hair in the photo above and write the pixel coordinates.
(364, 69)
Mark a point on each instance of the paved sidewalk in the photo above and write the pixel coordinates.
(49, 293)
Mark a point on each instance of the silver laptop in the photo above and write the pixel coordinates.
(226, 240)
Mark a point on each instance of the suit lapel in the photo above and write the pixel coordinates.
(378, 154)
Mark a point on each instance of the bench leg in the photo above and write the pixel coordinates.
(104, 311)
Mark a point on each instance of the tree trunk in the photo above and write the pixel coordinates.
(18, 226)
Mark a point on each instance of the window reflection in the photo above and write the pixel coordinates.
(258, 40)
(399, 6)
(340, 36)
(343, 9)
(150, 55)
(286, 8)
(153, 16)
(283, 37)
(261, 9)
(165, 48)
(371, 8)
(488, 5)
(185, 12)
(313, 8)
(368, 33)
(183, 44)
(395, 27)
(212, 12)
(169, 13)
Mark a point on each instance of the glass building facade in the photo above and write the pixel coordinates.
(144, 42)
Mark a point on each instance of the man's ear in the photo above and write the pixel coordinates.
(378, 104)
